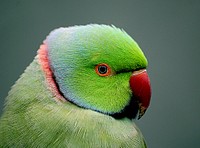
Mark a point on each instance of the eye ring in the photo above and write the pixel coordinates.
(103, 70)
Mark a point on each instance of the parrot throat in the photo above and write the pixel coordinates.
(45, 65)
(130, 111)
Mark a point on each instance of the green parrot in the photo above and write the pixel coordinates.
(84, 89)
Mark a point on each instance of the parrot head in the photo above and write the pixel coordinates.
(98, 67)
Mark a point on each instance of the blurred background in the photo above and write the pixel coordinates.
(167, 31)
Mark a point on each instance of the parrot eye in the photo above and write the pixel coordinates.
(103, 70)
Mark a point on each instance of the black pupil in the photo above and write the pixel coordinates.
(102, 69)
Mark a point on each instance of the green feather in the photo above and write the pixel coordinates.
(74, 53)
(33, 118)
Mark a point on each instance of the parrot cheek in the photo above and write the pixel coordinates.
(141, 89)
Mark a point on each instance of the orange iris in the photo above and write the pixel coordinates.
(103, 70)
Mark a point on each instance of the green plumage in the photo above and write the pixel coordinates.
(33, 118)
(75, 51)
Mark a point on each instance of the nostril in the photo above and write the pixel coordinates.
(139, 71)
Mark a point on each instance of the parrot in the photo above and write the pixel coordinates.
(85, 88)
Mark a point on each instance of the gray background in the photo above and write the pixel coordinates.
(167, 31)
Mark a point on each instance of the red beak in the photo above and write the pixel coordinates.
(141, 89)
